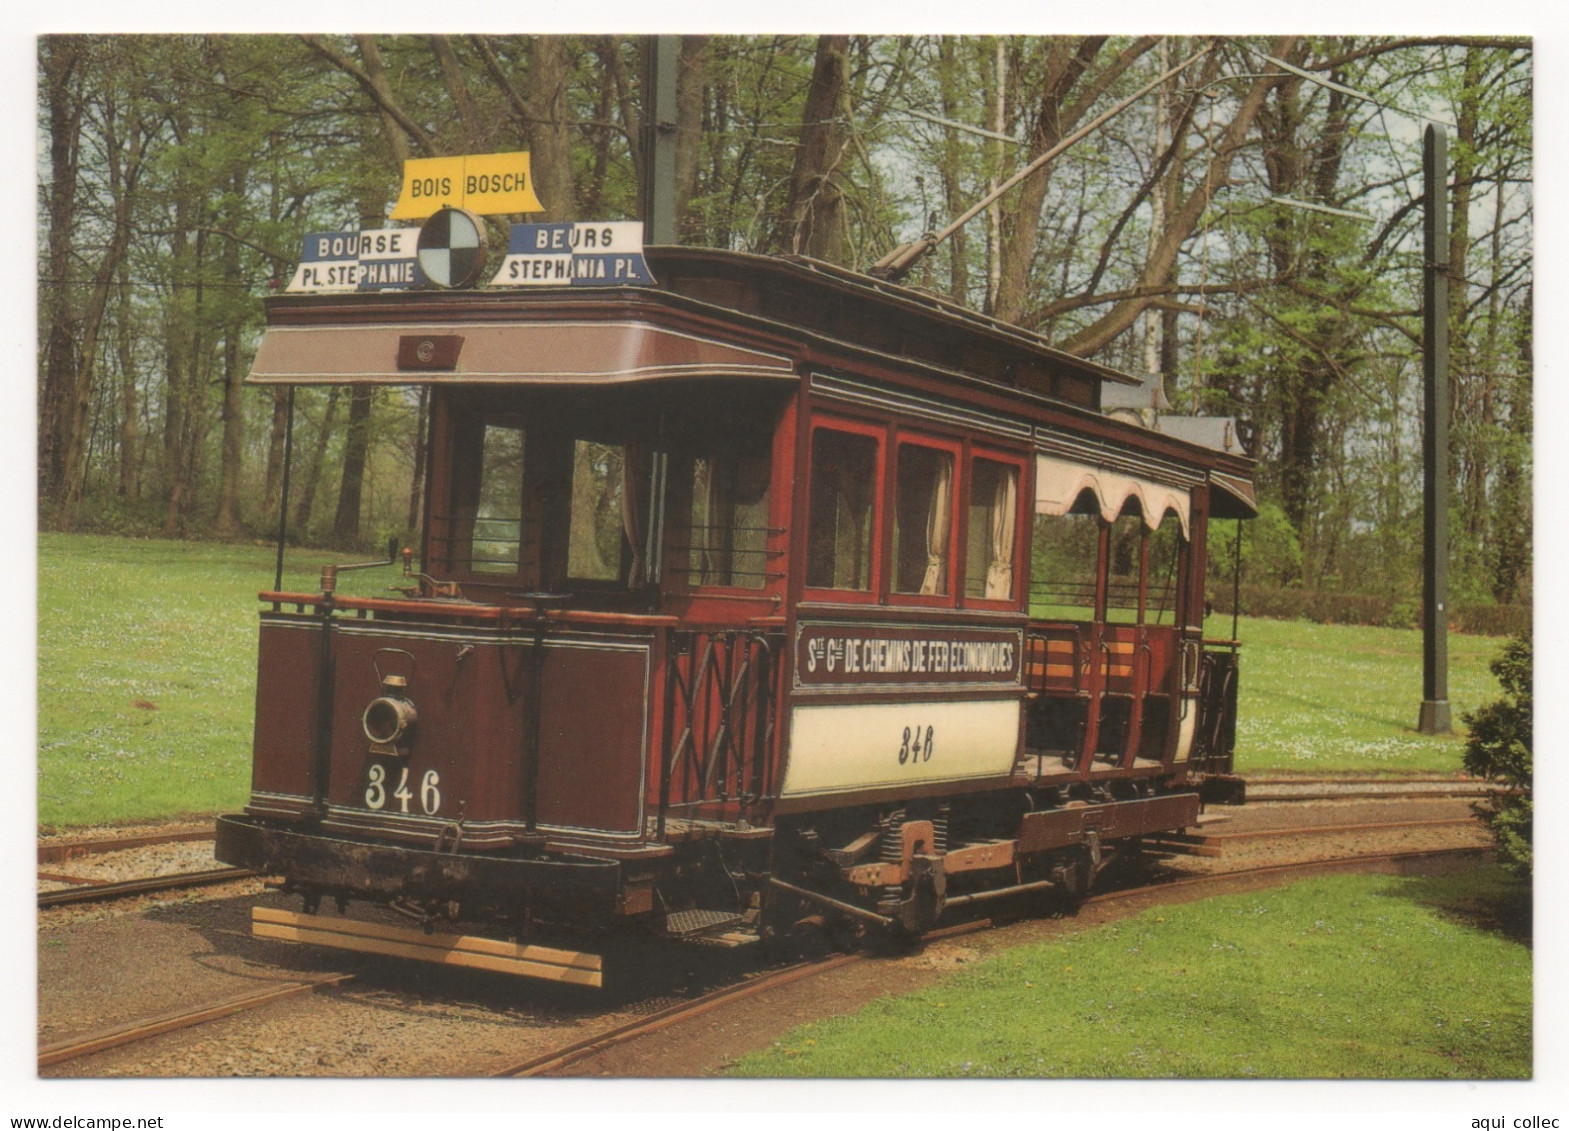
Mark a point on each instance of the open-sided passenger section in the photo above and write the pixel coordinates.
(1109, 616)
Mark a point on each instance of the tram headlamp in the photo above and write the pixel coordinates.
(390, 715)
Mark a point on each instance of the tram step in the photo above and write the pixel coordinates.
(717, 928)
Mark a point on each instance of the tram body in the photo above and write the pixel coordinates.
(764, 593)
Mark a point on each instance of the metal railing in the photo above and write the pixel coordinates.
(721, 710)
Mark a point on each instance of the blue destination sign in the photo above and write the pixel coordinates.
(606, 254)
(379, 260)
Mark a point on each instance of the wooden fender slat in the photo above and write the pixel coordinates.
(470, 951)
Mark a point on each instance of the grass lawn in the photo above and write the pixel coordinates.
(146, 669)
(146, 672)
(1342, 977)
(1324, 699)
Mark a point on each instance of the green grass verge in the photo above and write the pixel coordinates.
(1343, 977)
(123, 622)
(146, 672)
(1322, 699)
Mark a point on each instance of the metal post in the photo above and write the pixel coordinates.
(283, 503)
(661, 63)
(1434, 717)
(1236, 587)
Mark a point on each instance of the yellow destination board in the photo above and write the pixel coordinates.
(486, 183)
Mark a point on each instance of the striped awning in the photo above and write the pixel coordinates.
(1059, 483)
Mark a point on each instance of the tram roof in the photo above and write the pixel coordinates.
(581, 335)
(712, 314)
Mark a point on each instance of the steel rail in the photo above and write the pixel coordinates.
(74, 1048)
(101, 892)
(1329, 830)
(559, 1058)
(54, 852)
(1353, 793)
(552, 1062)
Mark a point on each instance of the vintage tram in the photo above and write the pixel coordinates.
(766, 592)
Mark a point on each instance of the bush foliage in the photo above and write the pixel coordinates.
(1499, 749)
(1329, 607)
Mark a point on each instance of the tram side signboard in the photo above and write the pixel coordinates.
(602, 254)
(339, 262)
(830, 655)
(487, 184)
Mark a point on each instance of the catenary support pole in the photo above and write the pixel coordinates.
(661, 62)
(1434, 717)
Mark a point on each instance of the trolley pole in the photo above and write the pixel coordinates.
(1434, 718)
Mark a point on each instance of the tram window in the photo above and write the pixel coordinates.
(839, 538)
(483, 531)
(1122, 568)
(729, 521)
(922, 521)
(1165, 554)
(596, 533)
(498, 518)
(993, 521)
(1065, 550)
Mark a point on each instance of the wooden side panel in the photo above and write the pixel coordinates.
(285, 736)
(593, 742)
(468, 733)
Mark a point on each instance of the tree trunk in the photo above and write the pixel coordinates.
(129, 425)
(952, 163)
(391, 127)
(124, 173)
(477, 131)
(1066, 64)
(1469, 404)
(356, 449)
(312, 478)
(1122, 315)
(691, 93)
(227, 522)
(550, 126)
(63, 58)
(814, 211)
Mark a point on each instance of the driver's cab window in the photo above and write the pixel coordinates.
(498, 514)
(600, 513)
(534, 501)
(729, 521)
(482, 529)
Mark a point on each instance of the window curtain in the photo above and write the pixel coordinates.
(1005, 510)
(854, 500)
(716, 539)
(939, 525)
(634, 490)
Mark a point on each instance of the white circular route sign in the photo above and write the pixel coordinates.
(452, 248)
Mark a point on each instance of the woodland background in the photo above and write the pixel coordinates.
(1252, 232)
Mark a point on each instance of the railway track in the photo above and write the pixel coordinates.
(554, 1062)
(560, 1059)
(57, 860)
(59, 1052)
(101, 892)
(1363, 789)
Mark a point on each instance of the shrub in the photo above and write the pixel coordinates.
(1330, 607)
(1499, 750)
